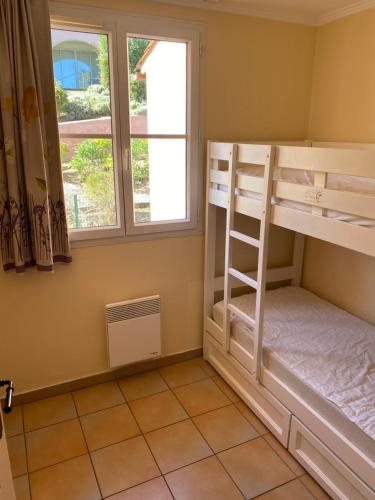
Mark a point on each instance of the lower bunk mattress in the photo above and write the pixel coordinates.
(323, 353)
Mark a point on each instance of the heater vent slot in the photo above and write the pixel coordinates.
(132, 309)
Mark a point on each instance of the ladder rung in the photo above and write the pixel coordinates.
(243, 316)
(243, 277)
(246, 239)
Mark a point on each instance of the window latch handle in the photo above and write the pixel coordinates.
(127, 159)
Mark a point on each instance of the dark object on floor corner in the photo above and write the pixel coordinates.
(9, 394)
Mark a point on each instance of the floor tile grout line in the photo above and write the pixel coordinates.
(182, 385)
(163, 426)
(139, 484)
(266, 491)
(173, 390)
(26, 458)
(204, 412)
(235, 445)
(217, 385)
(164, 379)
(102, 410)
(116, 381)
(52, 425)
(26, 455)
(308, 489)
(205, 440)
(206, 377)
(57, 463)
(195, 461)
(169, 488)
(280, 457)
(23, 419)
(88, 452)
(230, 475)
(263, 433)
(188, 465)
(227, 406)
(27, 463)
(152, 454)
(279, 486)
(117, 442)
(150, 395)
(78, 417)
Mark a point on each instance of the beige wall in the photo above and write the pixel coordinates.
(257, 85)
(343, 109)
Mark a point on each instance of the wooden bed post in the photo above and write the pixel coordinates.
(210, 248)
(298, 252)
(262, 260)
(232, 172)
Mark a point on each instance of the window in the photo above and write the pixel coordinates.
(85, 127)
(127, 100)
(157, 102)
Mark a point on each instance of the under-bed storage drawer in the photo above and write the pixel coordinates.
(336, 478)
(272, 413)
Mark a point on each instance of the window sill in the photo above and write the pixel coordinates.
(119, 240)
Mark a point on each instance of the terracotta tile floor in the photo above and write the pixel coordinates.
(178, 432)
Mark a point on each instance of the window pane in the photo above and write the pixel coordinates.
(81, 71)
(159, 179)
(157, 86)
(88, 182)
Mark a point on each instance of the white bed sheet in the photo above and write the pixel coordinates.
(327, 349)
(349, 183)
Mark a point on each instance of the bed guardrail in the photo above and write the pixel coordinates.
(316, 198)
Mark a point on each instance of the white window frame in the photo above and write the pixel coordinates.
(118, 26)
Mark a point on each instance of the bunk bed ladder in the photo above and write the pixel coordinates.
(258, 284)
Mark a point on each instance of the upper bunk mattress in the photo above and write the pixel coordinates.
(348, 183)
(326, 349)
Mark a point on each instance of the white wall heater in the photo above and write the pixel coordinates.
(133, 330)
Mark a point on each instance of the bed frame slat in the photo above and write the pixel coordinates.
(356, 162)
(342, 201)
(351, 236)
(220, 151)
(219, 177)
(253, 154)
(218, 198)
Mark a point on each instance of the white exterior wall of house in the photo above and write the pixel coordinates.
(165, 70)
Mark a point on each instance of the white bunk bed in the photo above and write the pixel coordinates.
(304, 366)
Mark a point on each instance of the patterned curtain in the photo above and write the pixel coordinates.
(33, 226)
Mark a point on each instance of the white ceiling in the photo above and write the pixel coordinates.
(313, 12)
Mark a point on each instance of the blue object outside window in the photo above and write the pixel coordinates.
(75, 70)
